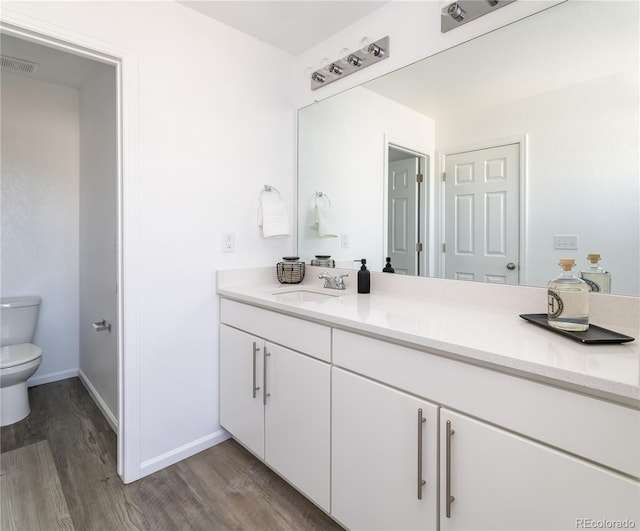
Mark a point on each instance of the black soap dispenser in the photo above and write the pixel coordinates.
(388, 268)
(364, 278)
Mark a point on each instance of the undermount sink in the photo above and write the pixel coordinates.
(305, 295)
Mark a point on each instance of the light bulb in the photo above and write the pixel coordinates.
(318, 77)
(455, 12)
(344, 54)
(364, 43)
(376, 50)
(335, 68)
(354, 60)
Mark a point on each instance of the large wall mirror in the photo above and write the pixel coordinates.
(489, 161)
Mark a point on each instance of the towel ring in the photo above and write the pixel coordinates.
(268, 188)
(322, 194)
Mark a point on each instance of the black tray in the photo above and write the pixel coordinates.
(594, 335)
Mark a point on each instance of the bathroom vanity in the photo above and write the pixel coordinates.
(429, 404)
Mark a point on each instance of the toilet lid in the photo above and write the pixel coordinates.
(13, 355)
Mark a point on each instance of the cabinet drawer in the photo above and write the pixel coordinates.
(598, 430)
(297, 334)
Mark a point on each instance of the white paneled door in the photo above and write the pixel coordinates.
(403, 213)
(482, 214)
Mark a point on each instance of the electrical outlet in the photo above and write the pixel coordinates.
(228, 242)
(565, 242)
(344, 241)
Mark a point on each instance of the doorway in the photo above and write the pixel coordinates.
(482, 214)
(61, 164)
(406, 211)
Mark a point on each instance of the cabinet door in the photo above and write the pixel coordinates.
(376, 456)
(297, 421)
(501, 481)
(241, 404)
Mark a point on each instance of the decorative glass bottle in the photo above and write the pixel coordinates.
(568, 299)
(595, 276)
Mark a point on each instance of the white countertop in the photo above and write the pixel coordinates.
(490, 334)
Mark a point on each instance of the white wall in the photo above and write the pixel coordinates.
(566, 168)
(40, 149)
(98, 223)
(342, 154)
(214, 123)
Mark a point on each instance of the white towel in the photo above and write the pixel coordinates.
(326, 222)
(272, 216)
(313, 217)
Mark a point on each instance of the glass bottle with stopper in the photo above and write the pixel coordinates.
(595, 276)
(568, 301)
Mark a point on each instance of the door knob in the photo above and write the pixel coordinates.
(511, 266)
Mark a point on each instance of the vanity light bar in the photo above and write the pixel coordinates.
(455, 14)
(358, 60)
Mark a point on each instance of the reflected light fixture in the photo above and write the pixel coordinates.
(369, 54)
(460, 12)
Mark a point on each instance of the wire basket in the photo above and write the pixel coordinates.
(290, 271)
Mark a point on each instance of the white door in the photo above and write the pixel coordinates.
(241, 385)
(403, 215)
(98, 238)
(297, 425)
(381, 452)
(482, 228)
(500, 481)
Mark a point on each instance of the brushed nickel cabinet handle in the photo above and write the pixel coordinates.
(421, 482)
(264, 376)
(450, 498)
(256, 349)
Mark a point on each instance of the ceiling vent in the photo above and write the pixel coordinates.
(19, 65)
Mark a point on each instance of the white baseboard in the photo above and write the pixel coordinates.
(187, 450)
(102, 406)
(51, 377)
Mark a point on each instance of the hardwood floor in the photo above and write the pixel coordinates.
(59, 472)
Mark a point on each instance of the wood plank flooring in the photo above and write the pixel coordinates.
(59, 472)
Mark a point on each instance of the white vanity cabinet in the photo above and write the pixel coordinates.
(357, 422)
(384, 448)
(274, 400)
(514, 454)
(495, 480)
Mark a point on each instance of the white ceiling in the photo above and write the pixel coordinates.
(293, 25)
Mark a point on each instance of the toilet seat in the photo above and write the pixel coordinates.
(13, 355)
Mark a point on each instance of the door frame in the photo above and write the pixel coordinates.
(125, 62)
(425, 201)
(522, 141)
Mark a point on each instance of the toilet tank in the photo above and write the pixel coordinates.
(18, 319)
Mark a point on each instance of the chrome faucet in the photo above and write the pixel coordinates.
(333, 282)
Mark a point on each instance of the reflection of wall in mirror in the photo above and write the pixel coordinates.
(343, 155)
(582, 164)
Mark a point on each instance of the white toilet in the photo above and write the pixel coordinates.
(20, 358)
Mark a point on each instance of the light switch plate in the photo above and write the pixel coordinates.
(565, 242)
